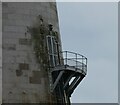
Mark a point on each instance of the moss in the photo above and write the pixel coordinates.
(38, 37)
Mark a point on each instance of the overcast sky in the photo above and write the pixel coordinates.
(91, 29)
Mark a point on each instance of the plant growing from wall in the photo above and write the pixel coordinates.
(38, 36)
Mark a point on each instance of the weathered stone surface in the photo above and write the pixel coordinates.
(9, 46)
(36, 78)
(24, 80)
(23, 66)
(19, 72)
(25, 41)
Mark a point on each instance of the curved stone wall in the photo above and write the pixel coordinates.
(23, 79)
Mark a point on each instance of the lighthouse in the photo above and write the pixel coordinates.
(34, 67)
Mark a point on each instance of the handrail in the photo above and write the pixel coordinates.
(72, 59)
(73, 53)
(77, 60)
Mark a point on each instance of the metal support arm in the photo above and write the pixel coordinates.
(57, 80)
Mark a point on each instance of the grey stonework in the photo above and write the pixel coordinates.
(23, 79)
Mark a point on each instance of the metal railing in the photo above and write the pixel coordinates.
(74, 64)
(75, 60)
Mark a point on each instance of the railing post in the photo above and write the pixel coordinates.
(76, 61)
(66, 58)
(82, 63)
(86, 65)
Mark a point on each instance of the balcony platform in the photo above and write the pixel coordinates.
(68, 68)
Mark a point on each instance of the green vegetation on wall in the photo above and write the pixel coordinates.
(38, 36)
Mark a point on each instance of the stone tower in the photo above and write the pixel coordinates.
(24, 79)
(33, 66)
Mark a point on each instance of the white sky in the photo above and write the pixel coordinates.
(92, 30)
